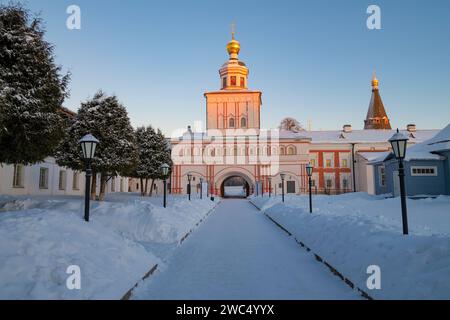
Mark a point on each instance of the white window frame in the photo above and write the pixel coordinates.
(62, 181)
(331, 178)
(346, 177)
(76, 181)
(345, 183)
(424, 174)
(113, 184)
(327, 157)
(43, 179)
(18, 176)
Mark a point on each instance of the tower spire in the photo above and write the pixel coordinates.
(233, 47)
(233, 30)
(375, 81)
(376, 116)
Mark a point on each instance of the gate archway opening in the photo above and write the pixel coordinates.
(235, 187)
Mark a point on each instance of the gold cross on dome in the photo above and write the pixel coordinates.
(233, 29)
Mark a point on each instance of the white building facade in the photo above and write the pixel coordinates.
(49, 179)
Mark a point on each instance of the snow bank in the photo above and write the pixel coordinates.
(355, 231)
(41, 236)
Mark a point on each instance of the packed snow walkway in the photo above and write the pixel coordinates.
(240, 254)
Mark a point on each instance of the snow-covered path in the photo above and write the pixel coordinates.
(239, 254)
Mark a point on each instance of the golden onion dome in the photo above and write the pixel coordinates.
(233, 47)
(375, 81)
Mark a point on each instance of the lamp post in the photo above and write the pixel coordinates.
(189, 176)
(399, 143)
(262, 188)
(88, 145)
(309, 172)
(201, 188)
(165, 172)
(270, 186)
(283, 176)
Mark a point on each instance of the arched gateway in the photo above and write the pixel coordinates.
(235, 185)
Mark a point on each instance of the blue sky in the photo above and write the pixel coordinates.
(313, 60)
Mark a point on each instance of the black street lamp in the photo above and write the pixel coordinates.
(201, 188)
(189, 176)
(270, 186)
(165, 172)
(262, 188)
(309, 172)
(88, 145)
(283, 176)
(399, 143)
(256, 188)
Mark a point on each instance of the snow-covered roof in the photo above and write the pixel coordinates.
(426, 150)
(366, 136)
(441, 141)
(373, 156)
(339, 136)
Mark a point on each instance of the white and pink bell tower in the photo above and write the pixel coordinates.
(234, 106)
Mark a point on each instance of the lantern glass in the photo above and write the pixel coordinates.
(93, 147)
(399, 143)
(402, 148)
(88, 145)
(165, 169)
(282, 176)
(309, 170)
(83, 148)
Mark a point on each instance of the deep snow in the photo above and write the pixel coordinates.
(355, 231)
(239, 254)
(127, 235)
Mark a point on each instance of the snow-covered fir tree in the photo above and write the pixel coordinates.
(32, 89)
(107, 119)
(144, 140)
(153, 152)
(162, 154)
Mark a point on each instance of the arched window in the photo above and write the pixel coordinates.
(282, 151)
(243, 123)
(231, 123)
(291, 151)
